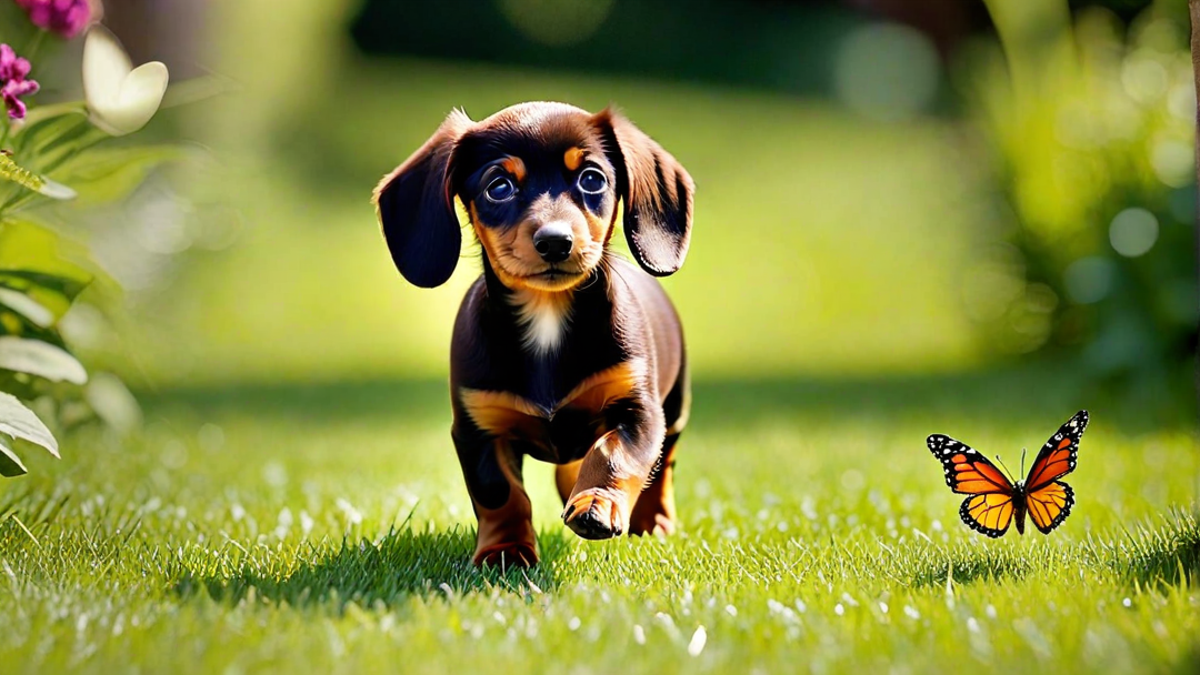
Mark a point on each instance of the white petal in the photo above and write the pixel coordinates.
(56, 190)
(105, 65)
(121, 99)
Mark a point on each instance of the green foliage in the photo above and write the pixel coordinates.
(40, 359)
(17, 421)
(1091, 124)
(38, 283)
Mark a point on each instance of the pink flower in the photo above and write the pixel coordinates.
(64, 17)
(13, 84)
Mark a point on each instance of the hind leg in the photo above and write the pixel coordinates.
(654, 512)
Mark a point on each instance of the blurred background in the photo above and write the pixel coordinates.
(898, 202)
(880, 190)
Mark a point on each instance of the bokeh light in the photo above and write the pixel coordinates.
(557, 22)
(887, 72)
(1173, 161)
(1089, 280)
(1133, 232)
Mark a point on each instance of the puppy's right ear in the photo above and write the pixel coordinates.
(415, 206)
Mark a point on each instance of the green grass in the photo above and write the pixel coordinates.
(325, 529)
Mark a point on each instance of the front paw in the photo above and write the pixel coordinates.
(597, 514)
(506, 554)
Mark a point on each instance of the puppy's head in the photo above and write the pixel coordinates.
(541, 182)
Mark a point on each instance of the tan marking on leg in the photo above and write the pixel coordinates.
(611, 384)
(506, 535)
(654, 511)
(565, 476)
(506, 415)
(604, 494)
(500, 413)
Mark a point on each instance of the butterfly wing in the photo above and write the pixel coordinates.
(1049, 499)
(1057, 457)
(989, 514)
(989, 508)
(1050, 506)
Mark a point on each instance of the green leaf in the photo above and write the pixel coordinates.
(10, 464)
(25, 306)
(31, 252)
(19, 422)
(42, 115)
(39, 138)
(41, 359)
(110, 174)
(52, 293)
(23, 280)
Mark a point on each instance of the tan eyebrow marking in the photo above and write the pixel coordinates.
(573, 158)
(514, 166)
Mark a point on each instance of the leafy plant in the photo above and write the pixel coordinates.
(1090, 122)
(50, 154)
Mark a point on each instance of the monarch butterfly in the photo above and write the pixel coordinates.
(994, 500)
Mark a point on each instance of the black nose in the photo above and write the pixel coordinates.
(553, 242)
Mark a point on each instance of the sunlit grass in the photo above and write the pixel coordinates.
(327, 529)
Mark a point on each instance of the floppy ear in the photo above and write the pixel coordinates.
(657, 191)
(415, 206)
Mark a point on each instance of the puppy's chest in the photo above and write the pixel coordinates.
(551, 417)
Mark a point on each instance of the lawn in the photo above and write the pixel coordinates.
(326, 529)
(293, 503)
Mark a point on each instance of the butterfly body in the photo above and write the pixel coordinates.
(994, 501)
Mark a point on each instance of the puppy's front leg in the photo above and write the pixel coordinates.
(493, 474)
(615, 469)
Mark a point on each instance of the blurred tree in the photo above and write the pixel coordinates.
(1091, 121)
(787, 46)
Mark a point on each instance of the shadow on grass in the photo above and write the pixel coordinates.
(402, 564)
(1045, 392)
(969, 567)
(1167, 554)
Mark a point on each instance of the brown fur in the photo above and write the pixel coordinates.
(576, 359)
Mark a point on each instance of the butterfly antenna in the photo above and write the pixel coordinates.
(1005, 467)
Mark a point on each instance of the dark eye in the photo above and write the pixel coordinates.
(592, 181)
(501, 189)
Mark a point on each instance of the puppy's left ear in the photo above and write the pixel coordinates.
(657, 192)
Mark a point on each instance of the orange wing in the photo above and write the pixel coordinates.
(1050, 506)
(967, 471)
(1057, 457)
(990, 514)
(990, 507)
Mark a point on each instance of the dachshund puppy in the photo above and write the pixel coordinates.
(562, 351)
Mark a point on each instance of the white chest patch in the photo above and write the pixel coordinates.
(543, 317)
